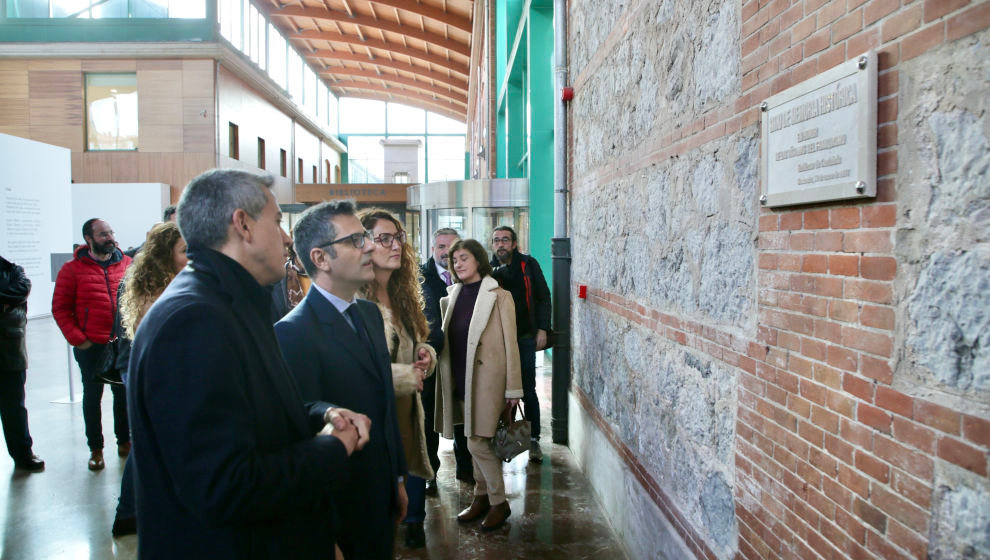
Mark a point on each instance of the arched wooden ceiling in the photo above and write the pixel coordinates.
(415, 52)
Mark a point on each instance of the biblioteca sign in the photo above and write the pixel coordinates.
(819, 138)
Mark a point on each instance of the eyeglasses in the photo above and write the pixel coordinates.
(358, 239)
(385, 239)
(501, 240)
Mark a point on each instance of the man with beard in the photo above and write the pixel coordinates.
(436, 278)
(83, 304)
(521, 276)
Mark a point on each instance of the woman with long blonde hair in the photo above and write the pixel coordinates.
(161, 257)
(396, 290)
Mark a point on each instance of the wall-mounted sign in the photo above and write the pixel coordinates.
(819, 138)
(363, 193)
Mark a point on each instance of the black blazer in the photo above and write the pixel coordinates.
(434, 289)
(331, 363)
(226, 462)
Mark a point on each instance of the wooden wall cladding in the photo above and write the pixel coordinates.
(44, 100)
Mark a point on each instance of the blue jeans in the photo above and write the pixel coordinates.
(416, 490)
(531, 403)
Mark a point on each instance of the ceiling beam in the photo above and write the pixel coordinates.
(441, 100)
(381, 45)
(436, 14)
(441, 109)
(360, 72)
(383, 62)
(383, 25)
(421, 86)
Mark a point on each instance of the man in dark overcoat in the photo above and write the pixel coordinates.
(335, 346)
(227, 457)
(14, 290)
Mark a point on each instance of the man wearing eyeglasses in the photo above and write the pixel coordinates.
(335, 346)
(230, 461)
(521, 276)
(83, 304)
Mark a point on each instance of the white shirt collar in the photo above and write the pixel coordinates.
(340, 304)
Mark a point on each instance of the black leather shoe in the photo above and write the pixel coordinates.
(31, 464)
(415, 536)
(431, 487)
(123, 526)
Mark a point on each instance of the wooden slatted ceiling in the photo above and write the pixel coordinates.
(415, 52)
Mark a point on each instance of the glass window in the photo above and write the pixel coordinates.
(276, 55)
(150, 8)
(420, 160)
(187, 9)
(111, 112)
(295, 77)
(333, 113)
(69, 8)
(260, 25)
(403, 119)
(365, 159)
(446, 158)
(361, 116)
(309, 90)
(110, 9)
(439, 124)
(27, 8)
(321, 103)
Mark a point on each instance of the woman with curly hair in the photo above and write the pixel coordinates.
(161, 257)
(396, 290)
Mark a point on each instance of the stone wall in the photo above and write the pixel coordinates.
(806, 382)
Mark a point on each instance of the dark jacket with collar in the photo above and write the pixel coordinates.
(227, 465)
(332, 363)
(524, 279)
(14, 290)
(434, 289)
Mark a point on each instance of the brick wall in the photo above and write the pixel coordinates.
(836, 454)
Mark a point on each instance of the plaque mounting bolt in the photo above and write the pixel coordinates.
(862, 63)
(764, 107)
(763, 199)
(860, 187)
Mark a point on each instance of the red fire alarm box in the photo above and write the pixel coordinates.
(583, 292)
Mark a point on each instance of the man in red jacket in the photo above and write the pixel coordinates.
(84, 304)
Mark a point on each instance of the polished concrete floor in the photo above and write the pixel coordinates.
(67, 511)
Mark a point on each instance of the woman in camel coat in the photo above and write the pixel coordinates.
(479, 373)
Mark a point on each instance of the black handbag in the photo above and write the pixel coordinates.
(511, 436)
(108, 372)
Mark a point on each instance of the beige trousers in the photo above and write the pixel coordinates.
(487, 470)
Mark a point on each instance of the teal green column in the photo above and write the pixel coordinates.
(540, 119)
(515, 121)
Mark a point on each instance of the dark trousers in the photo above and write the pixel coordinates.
(429, 398)
(416, 491)
(90, 360)
(125, 504)
(13, 414)
(465, 463)
(531, 404)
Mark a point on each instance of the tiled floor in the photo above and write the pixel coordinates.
(66, 511)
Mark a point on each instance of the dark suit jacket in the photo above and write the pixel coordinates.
(331, 363)
(434, 289)
(226, 462)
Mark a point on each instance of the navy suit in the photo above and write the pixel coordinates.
(227, 465)
(331, 362)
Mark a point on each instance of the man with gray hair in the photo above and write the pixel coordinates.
(230, 462)
(335, 346)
